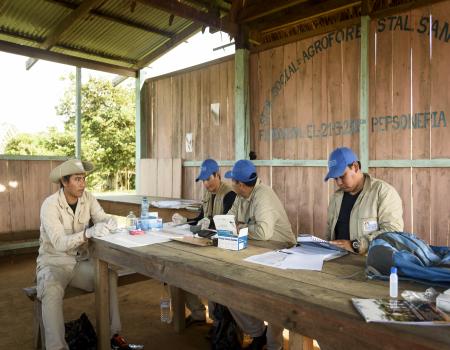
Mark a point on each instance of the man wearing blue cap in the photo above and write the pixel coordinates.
(218, 199)
(362, 207)
(259, 208)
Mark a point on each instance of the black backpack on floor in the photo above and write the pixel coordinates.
(226, 333)
(80, 334)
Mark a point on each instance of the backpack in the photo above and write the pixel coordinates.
(80, 334)
(414, 258)
(226, 333)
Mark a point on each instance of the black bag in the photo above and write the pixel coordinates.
(80, 334)
(226, 333)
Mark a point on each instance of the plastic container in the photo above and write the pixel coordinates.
(131, 222)
(164, 304)
(393, 283)
(144, 207)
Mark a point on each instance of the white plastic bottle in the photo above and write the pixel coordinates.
(131, 221)
(164, 304)
(393, 283)
(144, 207)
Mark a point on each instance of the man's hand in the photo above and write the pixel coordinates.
(111, 224)
(204, 223)
(344, 244)
(178, 219)
(100, 229)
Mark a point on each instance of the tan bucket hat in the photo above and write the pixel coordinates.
(70, 167)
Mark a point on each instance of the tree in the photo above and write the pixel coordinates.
(107, 133)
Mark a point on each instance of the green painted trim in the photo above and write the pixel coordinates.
(241, 105)
(78, 114)
(28, 157)
(137, 90)
(407, 163)
(364, 93)
(197, 163)
(14, 246)
(401, 163)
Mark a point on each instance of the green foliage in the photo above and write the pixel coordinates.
(107, 134)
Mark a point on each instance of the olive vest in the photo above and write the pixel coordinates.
(211, 208)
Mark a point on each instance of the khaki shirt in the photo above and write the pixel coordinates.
(377, 209)
(264, 214)
(209, 208)
(61, 239)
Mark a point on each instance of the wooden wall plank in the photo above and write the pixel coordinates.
(421, 86)
(380, 142)
(304, 101)
(440, 207)
(277, 70)
(421, 199)
(290, 115)
(149, 177)
(401, 91)
(176, 177)
(440, 79)
(16, 170)
(164, 118)
(177, 116)
(207, 96)
(5, 201)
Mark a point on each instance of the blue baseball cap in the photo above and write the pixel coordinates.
(208, 167)
(339, 159)
(242, 171)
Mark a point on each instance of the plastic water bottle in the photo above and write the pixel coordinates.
(164, 304)
(393, 283)
(131, 221)
(144, 207)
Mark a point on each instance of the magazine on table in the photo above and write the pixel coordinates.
(418, 313)
(313, 241)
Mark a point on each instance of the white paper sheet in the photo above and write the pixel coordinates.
(283, 259)
(124, 239)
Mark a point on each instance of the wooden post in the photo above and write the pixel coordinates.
(364, 94)
(300, 342)
(138, 155)
(178, 301)
(78, 115)
(241, 95)
(102, 304)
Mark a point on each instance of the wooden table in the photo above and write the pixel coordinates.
(122, 204)
(314, 304)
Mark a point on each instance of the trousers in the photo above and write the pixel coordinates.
(52, 281)
(255, 328)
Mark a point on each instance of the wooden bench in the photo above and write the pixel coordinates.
(125, 277)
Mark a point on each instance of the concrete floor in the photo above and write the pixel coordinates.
(139, 305)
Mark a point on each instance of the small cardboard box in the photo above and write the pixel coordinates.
(227, 240)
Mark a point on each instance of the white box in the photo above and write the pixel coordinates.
(227, 240)
(443, 302)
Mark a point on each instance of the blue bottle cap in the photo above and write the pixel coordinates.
(393, 269)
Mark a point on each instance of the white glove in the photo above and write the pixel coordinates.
(111, 224)
(204, 223)
(178, 219)
(98, 230)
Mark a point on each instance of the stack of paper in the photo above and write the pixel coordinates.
(307, 256)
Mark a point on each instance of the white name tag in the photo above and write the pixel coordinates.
(370, 225)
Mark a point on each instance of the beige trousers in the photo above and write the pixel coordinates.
(51, 284)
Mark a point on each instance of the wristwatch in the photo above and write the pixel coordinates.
(356, 245)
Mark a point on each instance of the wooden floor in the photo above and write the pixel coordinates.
(139, 304)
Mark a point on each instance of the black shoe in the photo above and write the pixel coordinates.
(258, 343)
(189, 321)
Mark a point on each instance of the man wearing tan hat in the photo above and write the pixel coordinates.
(63, 253)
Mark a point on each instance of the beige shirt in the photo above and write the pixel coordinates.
(61, 239)
(377, 209)
(264, 214)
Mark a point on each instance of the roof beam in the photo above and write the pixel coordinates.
(302, 12)
(116, 18)
(188, 12)
(182, 36)
(61, 58)
(263, 8)
(82, 10)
